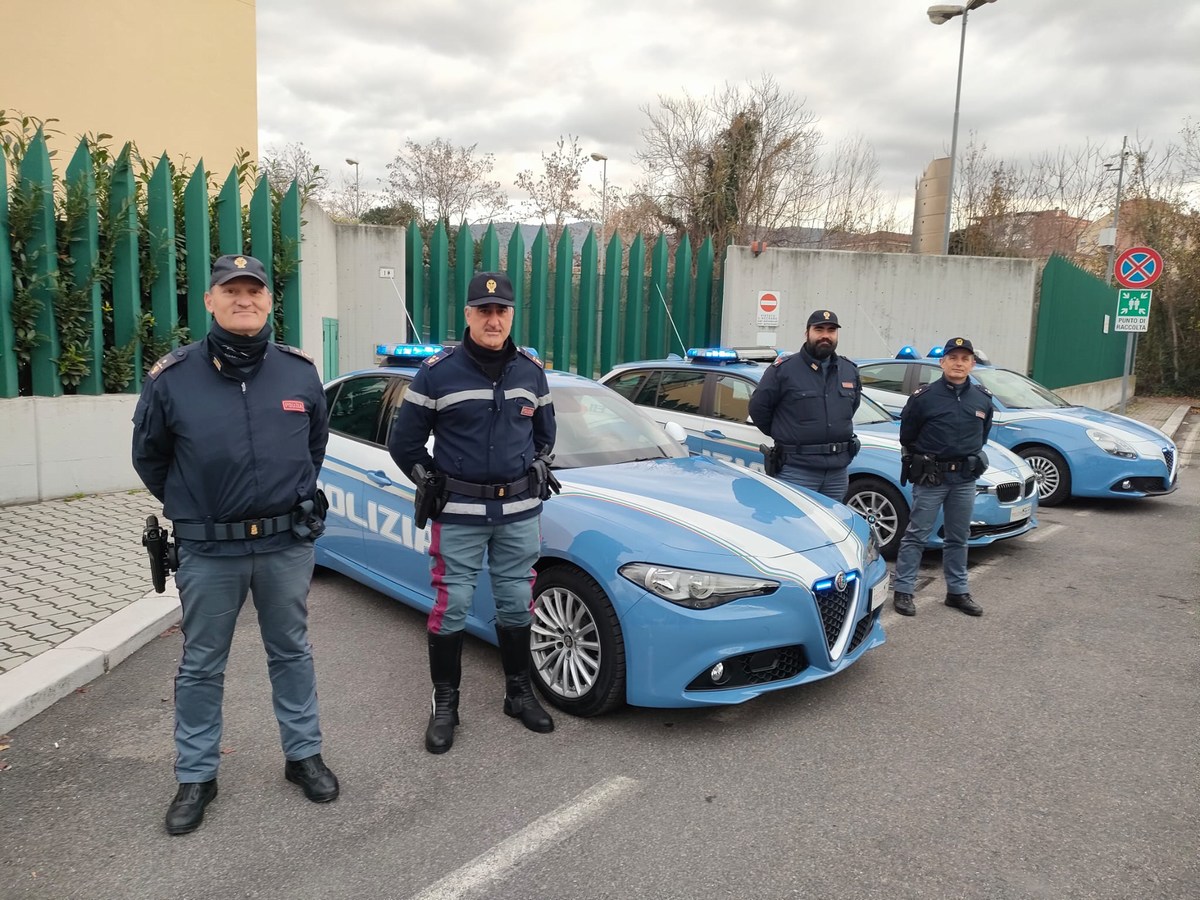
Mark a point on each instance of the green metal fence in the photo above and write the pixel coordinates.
(105, 268)
(580, 317)
(1070, 346)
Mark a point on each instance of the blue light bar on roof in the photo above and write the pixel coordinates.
(711, 353)
(936, 352)
(412, 351)
(908, 352)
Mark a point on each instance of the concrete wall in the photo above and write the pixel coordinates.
(1098, 395)
(340, 267)
(884, 301)
(58, 446)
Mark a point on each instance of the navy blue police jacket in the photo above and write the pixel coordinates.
(213, 447)
(799, 403)
(947, 421)
(484, 432)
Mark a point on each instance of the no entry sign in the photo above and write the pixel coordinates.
(1138, 267)
(768, 309)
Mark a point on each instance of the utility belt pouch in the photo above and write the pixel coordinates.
(772, 458)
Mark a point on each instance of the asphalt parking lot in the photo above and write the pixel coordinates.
(1045, 750)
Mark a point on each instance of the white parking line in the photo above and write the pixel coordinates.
(497, 863)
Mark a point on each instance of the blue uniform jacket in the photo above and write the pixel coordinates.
(212, 447)
(797, 402)
(484, 432)
(947, 421)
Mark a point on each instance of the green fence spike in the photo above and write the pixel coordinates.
(656, 300)
(229, 216)
(9, 385)
(585, 330)
(610, 305)
(682, 308)
(197, 243)
(564, 259)
(83, 246)
(414, 280)
(439, 283)
(702, 332)
(262, 233)
(539, 294)
(160, 203)
(489, 250)
(634, 345)
(464, 271)
(515, 264)
(126, 281)
(289, 294)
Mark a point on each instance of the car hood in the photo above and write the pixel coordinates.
(709, 509)
(1121, 426)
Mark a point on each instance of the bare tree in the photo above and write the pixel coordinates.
(293, 162)
(737, 165)
(552, 193)
(853, 199)
(349, 202)
(445, 181)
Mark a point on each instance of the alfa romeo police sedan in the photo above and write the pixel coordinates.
(665, 579)
(708, 395)
(1075, 451)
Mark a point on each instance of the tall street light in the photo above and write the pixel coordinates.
(939, 15)
(357, 196)
(603, 160)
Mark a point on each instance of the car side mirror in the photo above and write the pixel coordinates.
(675, 432)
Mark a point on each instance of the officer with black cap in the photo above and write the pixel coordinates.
(487, 404)
(229, 434)
(806, 403)
(943, 429)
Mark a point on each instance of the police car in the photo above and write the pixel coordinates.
(708, 394)
(665, 579)
(1075, 451)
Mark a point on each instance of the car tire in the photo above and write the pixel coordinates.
(875, 497)
(1051, 472)
(576, 643)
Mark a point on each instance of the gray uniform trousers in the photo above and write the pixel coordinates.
(212, 590)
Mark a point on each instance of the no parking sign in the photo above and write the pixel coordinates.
(768, 309)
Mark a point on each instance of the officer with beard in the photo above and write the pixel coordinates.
(806, 403)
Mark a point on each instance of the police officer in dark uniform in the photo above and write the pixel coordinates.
(229, 434)
(806, 403)
(488, 406)
(943, 428)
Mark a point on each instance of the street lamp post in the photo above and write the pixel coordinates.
(1110, 268)
(357, 196)
(603, 160)
(939, 15)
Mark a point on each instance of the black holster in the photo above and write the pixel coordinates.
(773, 458)
(164, 556)
(431, 495)
(925, 470)
(308, 518)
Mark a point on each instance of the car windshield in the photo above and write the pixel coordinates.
(870, 413)
(1016, 391)
(599, 427)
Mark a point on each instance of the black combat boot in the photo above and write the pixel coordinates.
(519, 700)
(904, 604)
(445, 669)
(965, 603)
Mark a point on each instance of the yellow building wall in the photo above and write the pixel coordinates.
(170, 75)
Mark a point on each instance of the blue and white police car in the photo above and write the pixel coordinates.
(1075, 451)
(708, 395)
(665, 579)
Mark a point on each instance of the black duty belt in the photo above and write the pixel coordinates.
(951, 465)
(815, 449)
(250, 530)
(487, 491)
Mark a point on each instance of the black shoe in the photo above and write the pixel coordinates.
(445, 669)
(320, 785)
(519, 700)
(186, 811)
(965, 603)
(904, 604)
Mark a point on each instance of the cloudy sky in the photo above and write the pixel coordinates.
(359, 79)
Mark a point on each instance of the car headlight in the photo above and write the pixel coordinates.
(695, 589)
(1111, 444)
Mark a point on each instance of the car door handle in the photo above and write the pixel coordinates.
(380, 478)
(715, 433)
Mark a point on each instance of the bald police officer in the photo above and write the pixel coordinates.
(488, 406)
(806, 403)
(943, 428)
(229, 434)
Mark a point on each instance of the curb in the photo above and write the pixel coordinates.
(1175, 420)
(36, 685)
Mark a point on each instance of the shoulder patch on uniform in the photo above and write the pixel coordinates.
(166, 362)
(438, 357)
(986, 392)
(919, 391)
(296, 351)
(779, 360)
(532, 357)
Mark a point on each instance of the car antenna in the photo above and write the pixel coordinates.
(670, 318)
(403, 306)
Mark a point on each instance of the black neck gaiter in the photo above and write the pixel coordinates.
(242, 352)
(491, 361)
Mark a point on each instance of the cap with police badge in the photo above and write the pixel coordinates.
(958, 343)
(227, 268)
(490, 287)
(823, 317)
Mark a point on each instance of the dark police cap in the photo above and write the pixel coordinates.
(959, 343)
(227, 268)
(490, 287)
(823, 317)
